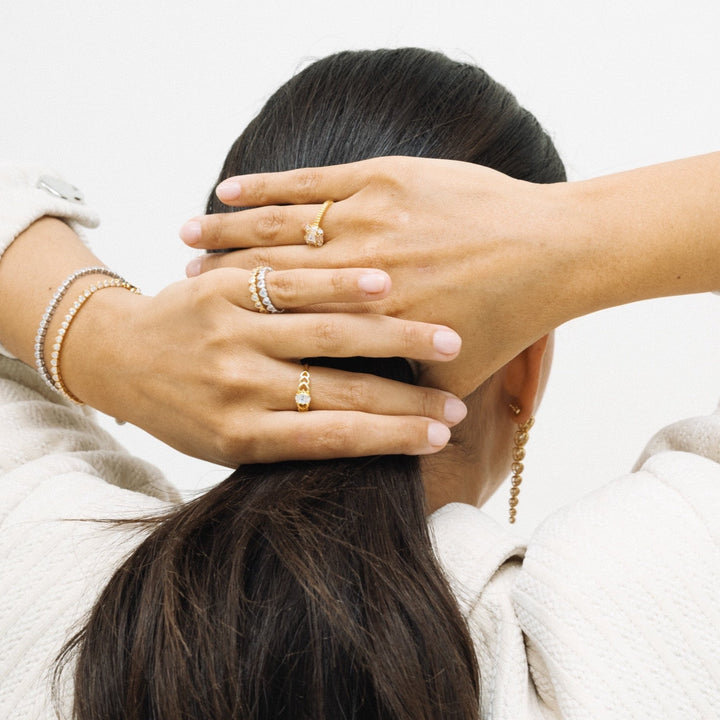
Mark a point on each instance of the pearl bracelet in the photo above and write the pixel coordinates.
(50, 312)
(57, 381)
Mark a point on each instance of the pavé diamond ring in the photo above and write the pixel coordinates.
(258, 291)
(314, 234)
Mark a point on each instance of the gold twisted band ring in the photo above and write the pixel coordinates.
(314, 234)
(258, 291)
(302, 396)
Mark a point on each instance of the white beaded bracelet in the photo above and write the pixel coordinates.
(57, 381)
(50, 312)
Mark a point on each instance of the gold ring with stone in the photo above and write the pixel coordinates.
(314, 234)
(302, 396)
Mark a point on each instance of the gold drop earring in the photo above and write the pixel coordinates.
(518, 455)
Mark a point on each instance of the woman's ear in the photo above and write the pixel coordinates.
(525, 376)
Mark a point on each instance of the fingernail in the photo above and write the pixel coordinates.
(191, 232)
(455, 410)
(438, 434)
(373, 282)
(194, 267)
(228, 190)
(447, 342)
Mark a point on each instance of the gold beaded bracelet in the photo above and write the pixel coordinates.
(65, 326)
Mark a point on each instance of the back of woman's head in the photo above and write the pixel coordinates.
(310, 589)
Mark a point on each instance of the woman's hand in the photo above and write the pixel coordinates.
(499, 260)
(465, 247)
(198, 367)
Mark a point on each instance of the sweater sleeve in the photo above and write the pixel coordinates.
(481, 559)
(29, 193)
(58, 470)
(619, 594)
(43, 435)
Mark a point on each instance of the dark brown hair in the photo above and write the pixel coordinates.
(310, 590)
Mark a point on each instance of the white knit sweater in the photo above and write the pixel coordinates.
(614, 611)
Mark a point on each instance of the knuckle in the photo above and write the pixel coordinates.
(284, 287)
(368, 256)
(236, 444)
(269, 225)
(355, 395)
(259, 191)
(328, 335)
(431, 403)
(306, 185)
(411, 338)
(343, 435)
(200, 290)
(257, 258)
(338, 282)
(211, 230)
(392, 173)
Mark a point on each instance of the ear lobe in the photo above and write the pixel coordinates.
(523, 379)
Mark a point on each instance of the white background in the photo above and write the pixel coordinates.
(137, 102)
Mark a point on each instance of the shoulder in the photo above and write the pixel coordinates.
(621, 590)
(470, 547)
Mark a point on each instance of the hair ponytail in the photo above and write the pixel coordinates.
(305, 590)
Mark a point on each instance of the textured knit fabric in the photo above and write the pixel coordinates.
(57, 466)
(614, 612)
(22, 202)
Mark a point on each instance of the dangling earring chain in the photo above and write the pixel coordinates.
(518, 455)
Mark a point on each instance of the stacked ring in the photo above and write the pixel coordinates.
(258, 291)
(314, 234)
(302, 396)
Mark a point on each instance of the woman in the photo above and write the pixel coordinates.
(312, 590)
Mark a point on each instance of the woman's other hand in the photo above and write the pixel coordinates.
(499, 260)
(198, 367)
(465, 247)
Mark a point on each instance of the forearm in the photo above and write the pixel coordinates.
(644, 233)
(31, 269)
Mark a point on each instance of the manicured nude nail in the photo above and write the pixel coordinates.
(194, 267)
(191, 232)
(455, 410)
(373, 283)
(438, 434)
(228, 190)
(447, 342)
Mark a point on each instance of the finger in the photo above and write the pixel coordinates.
(318, 435)
(289, 289)
(286, 257)
(306, 185)
(265, 226)
(332, 389)
(346, 335)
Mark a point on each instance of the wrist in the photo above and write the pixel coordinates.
(645, 233)
(603, 260)
(98, 348)
(561, 239)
